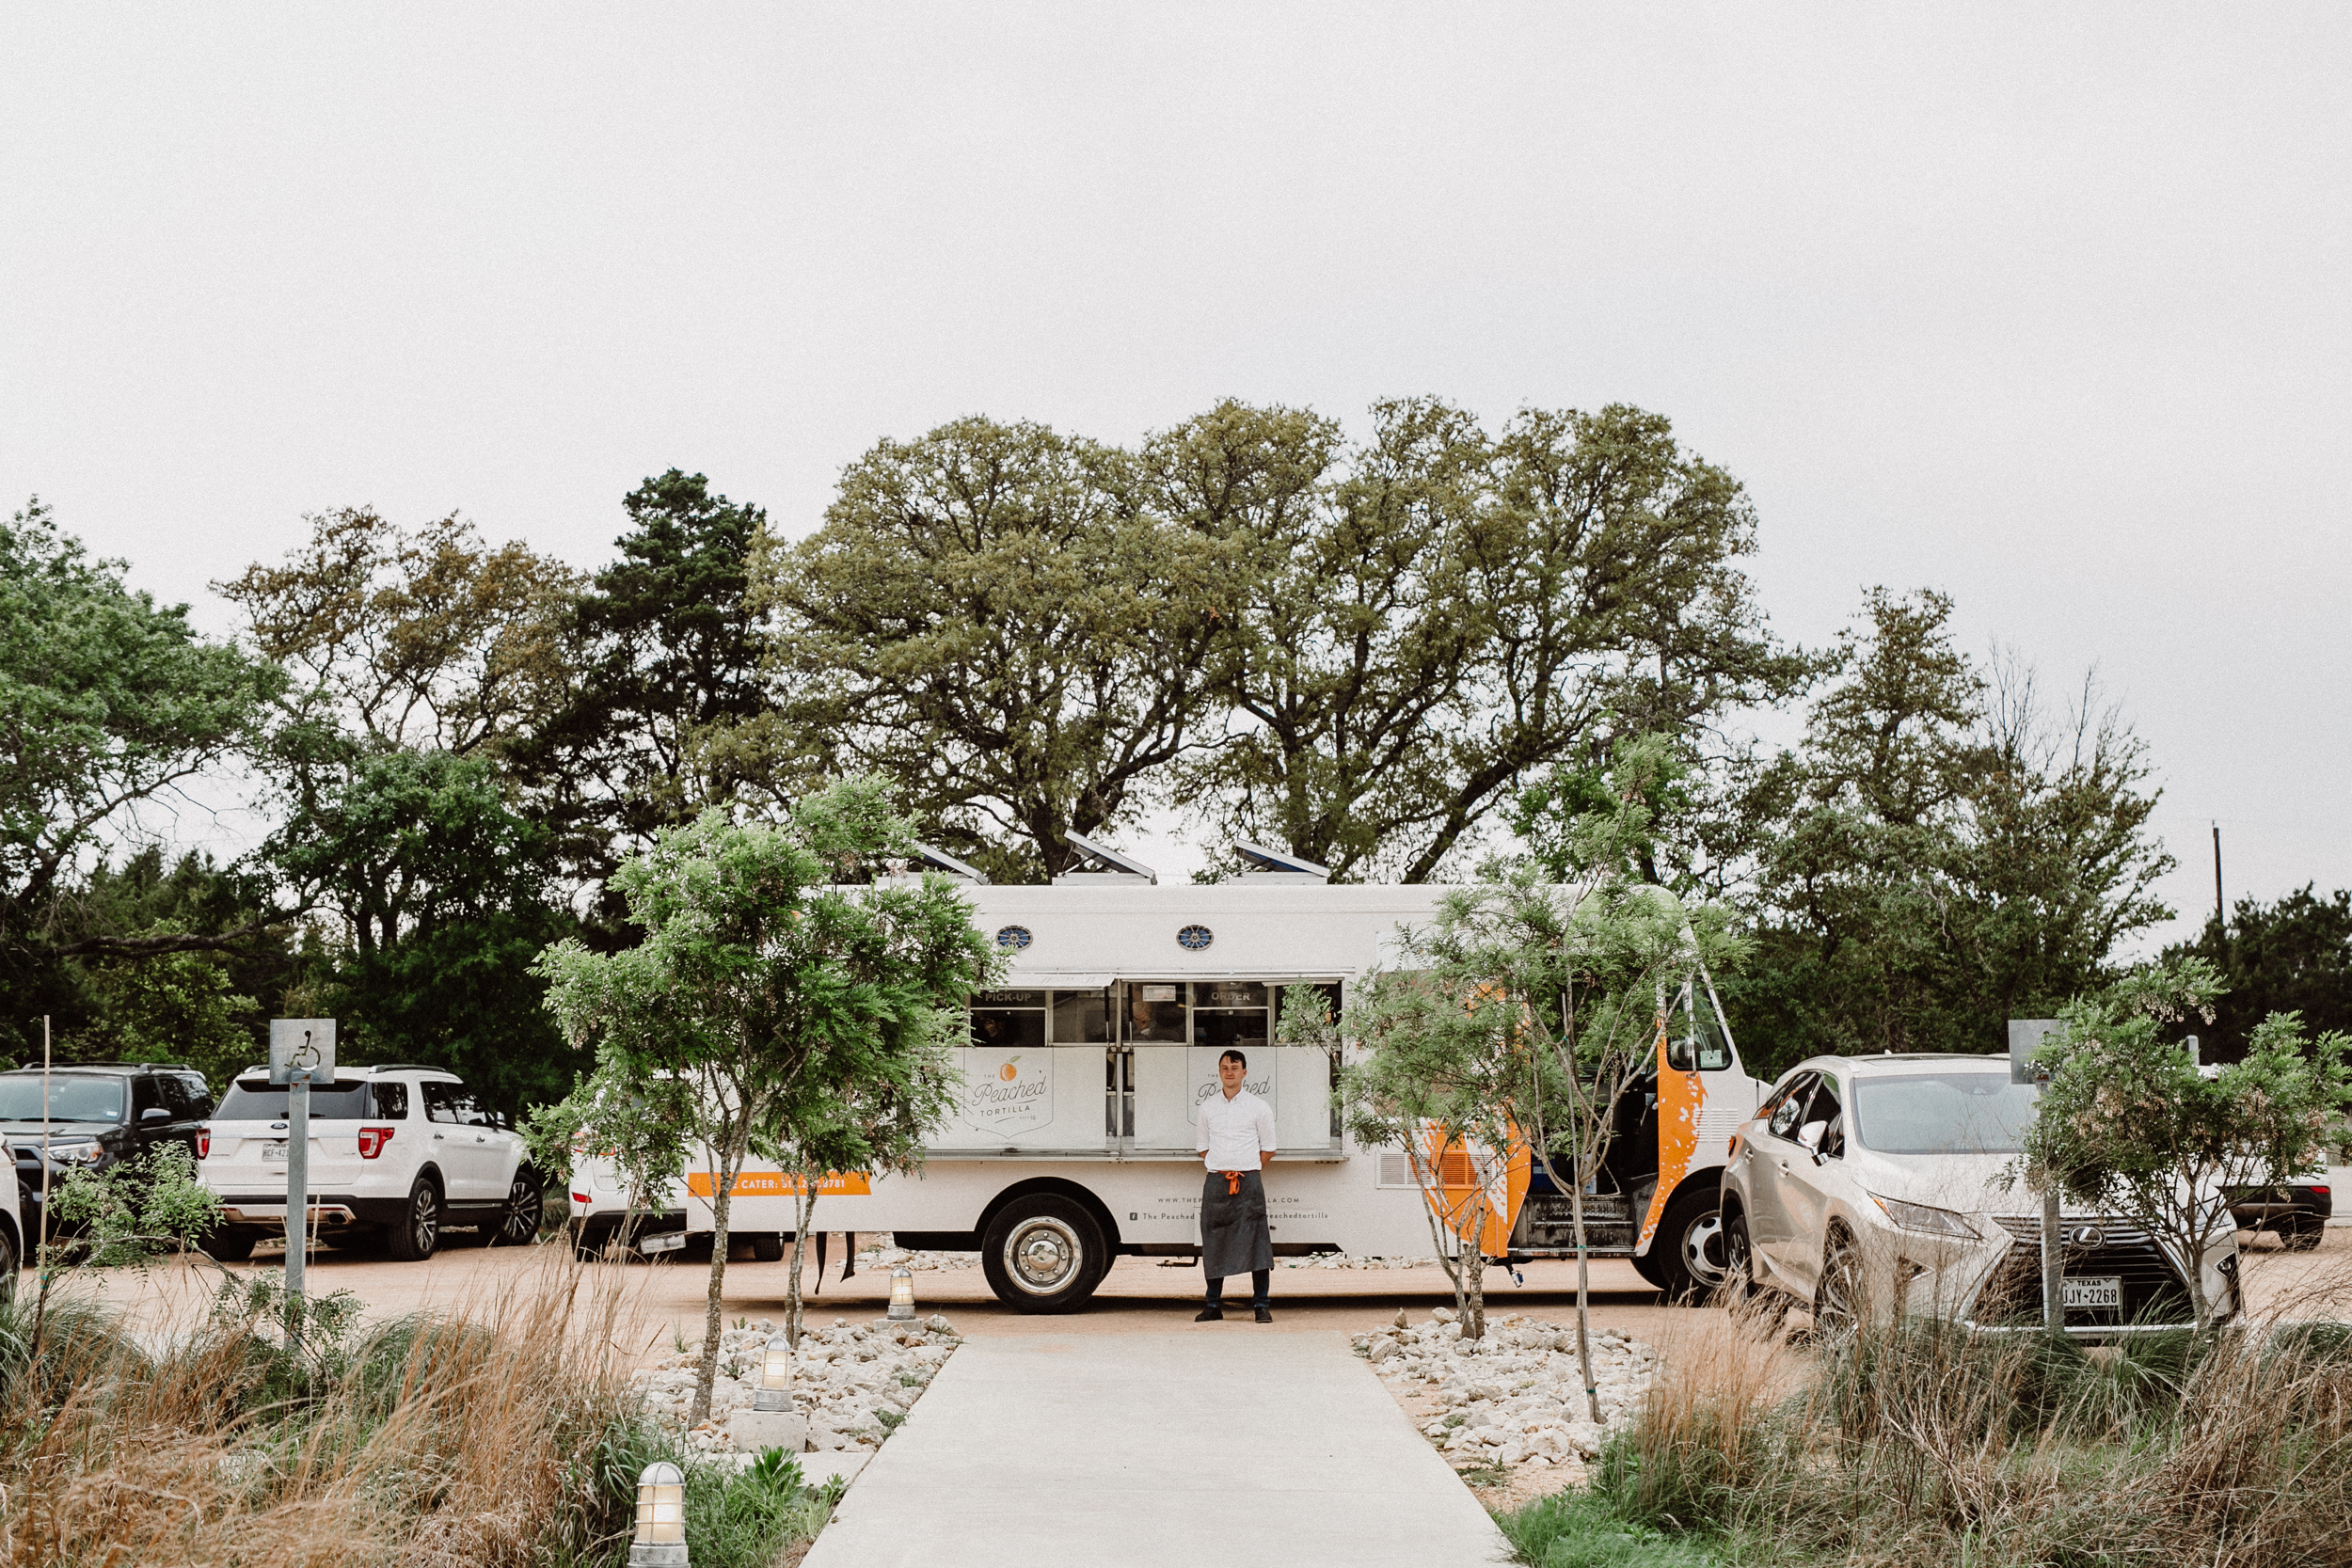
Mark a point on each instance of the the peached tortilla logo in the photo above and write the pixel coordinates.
(1006, 1092)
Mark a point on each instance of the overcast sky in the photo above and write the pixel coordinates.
(2044, 307)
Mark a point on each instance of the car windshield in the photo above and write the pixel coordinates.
(72, 1096)
(1941, 1112)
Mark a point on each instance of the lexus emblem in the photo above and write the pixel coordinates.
(2087, 1236)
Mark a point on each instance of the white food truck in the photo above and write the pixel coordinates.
(1074, 1138)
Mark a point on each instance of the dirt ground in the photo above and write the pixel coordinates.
(666, 1298)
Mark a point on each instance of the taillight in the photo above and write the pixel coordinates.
(2319, 1191)
(580, 1197)
(203, 1143)
(372, 1141)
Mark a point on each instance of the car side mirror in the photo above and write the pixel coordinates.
(153, 1116)
(1810, 1134)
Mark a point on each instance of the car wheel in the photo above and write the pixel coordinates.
(2302, 1236)
(768, 1246)
(227, 1243)
(1837, 1296)
(1042, 1254)
(1688, 1250)
(518, 1223)
(412, 1238)
(1740, 1284)
(11, 1261)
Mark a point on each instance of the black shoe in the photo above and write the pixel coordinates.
(1209, 1315)
(1265, 1314)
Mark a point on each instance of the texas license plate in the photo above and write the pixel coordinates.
(2107, 1292)
(273, 1151)
(661, 1244)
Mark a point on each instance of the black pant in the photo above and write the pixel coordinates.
(1259, 1280)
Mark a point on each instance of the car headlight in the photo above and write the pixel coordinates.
(82, 1151)
(1919, 1216)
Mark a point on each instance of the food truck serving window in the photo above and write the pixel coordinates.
(1155, 1011)
(1029, 1018)
(1011, 1019)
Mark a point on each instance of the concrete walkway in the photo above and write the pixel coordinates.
(1182, 1449)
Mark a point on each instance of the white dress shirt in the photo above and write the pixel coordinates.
(1232, 1133)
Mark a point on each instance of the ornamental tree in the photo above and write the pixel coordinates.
(2129, 1123)
(1526, 1008)
(780, 1005)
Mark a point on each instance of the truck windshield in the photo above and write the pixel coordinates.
(1941, 1112)
(72, 1096)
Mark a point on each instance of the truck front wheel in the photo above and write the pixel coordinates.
(1042, 1254)
(1686, 1256)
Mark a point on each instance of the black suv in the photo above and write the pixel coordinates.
(98, 1115)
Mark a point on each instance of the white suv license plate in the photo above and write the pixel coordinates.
(661, 1244)
(273, 1151)
(2103, 1291)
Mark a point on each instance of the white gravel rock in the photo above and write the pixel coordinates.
(844, 1376)
(1516, 1395)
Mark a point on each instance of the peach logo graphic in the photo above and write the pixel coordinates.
(1009, 1092)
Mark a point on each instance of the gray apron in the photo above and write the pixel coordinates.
(1233, 1234)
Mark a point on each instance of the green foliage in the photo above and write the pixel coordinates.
(1529, 1003)
(2127, 1120)
(669, 655)
(447, 891)
(175, 1008)
(1941, 854)
(138, 1210)
(987, 617)
(1579, 1530)
(107, 701)
(748, 1518)
(1462, 612)
(2293, 956)
(771, 1008)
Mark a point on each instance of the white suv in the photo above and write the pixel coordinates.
(399, 1149)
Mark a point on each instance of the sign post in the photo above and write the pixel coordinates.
(2025, 1035)
(301, 1052)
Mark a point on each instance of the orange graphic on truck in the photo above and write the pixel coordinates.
(774, 1183)
(1482, 1190)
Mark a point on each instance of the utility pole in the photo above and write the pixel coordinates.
(2220, 917)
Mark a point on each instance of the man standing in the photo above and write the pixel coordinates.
(1236, 1142)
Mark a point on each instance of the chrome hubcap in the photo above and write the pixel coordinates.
(1703, 1250)
(1041, 1256)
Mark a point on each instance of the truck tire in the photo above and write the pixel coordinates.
(1043, 1254)
(411, 1238)
(1688, 1250)
(766, 1246)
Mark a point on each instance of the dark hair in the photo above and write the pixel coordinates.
(1234, 1056)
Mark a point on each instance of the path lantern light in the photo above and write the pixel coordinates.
(660, 1537)
(775, 1376)
(901, 1294)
